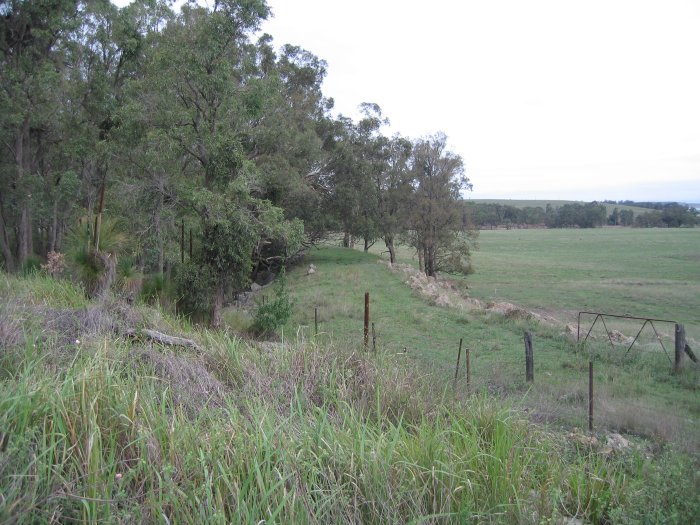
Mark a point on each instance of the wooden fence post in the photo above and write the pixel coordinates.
(366, 332)
(316, 321)
(590, 396)
(374, 339)
(469, 371)
(529, 360)
(680, 347)
(459, 356)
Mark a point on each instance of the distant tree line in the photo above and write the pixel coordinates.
(650, 205)
(578, 215)
(153, 147)
(575, 215)
(672, 216)
(665, 215)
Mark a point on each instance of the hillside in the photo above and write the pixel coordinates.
(102, 423)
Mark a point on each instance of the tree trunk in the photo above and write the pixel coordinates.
(98, 218)
(429, 261)
(5, 244)
(25, 222)
(53, 228)
(366, 247)
(108, 262)
(61, 228)
(157, 223)
(24, 235)
(389, 241)
(346, 240)
(421, 265)
(218, 303)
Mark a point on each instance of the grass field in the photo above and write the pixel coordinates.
(640, 272)
(100, 424)
(637, 392)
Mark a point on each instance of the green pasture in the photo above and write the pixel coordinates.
(640, 272)
(637, 391)
(101, 425)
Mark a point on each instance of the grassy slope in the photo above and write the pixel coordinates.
(100, 428)
(663, 405)
(113, 429)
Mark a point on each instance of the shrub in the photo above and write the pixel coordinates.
(193, 284)
(152, 288)
(271, 315)
(31, 265)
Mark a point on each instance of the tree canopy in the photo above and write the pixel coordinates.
(145, 142)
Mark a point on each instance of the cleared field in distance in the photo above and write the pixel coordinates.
(640, 272)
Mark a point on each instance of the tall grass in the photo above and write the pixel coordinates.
(297, 433)
(105, 440)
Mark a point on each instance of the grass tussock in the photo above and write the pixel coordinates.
(133, 432)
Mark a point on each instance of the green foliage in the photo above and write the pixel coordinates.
(589, 215)
(193, 284)
(152, 287)
(666, 491)
(454, 256)
(671, 216)
(275, 312)
(85, 264)
(31, 265)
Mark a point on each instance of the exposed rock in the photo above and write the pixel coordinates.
(620, 338)
(255, 287)
(616, 443)
(577, 436)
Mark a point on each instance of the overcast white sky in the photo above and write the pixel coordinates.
(542, 98)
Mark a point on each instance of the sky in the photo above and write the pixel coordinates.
(543, 99)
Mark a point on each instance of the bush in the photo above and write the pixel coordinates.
(193, 285)
(152, 288)
(271, 315)
(31, 265)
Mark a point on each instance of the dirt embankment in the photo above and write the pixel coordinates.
(448, 294)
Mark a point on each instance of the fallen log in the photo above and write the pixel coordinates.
(164, 339)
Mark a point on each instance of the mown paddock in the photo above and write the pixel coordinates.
(637, 393)
(641, 272)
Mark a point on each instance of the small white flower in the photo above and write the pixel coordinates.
(77, 341)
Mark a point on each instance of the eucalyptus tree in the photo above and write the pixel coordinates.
(436, 216)
(32, 45)
(357, 161)
(393, 186)
(286, 141)
(210, 91)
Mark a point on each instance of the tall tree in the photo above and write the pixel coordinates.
(393, 186)
(437, 230)
(32, 36)
(217, 95)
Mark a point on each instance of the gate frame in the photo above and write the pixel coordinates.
(602, 316)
